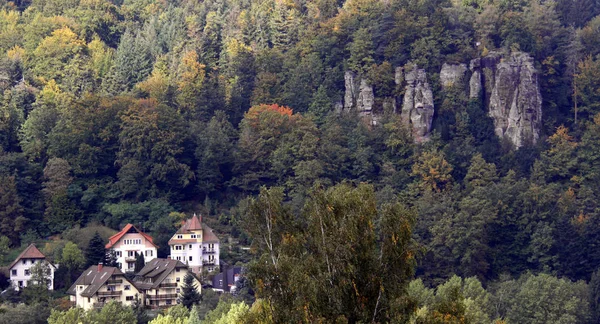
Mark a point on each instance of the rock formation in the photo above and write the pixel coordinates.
(359, 94)
(417, 105)
(509, 88)
(453, 75)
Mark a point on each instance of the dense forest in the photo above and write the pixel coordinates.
(142, 111)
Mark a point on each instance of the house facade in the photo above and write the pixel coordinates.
(128, 243)
(227, 280)
(20, 270)
(195, 245)
(161, 282)
(98, 285)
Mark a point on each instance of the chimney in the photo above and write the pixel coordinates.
(100, 266)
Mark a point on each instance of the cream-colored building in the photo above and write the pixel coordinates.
(98, 285)
(20, 269)
(128, 243)
(161, 282)
(196, 245)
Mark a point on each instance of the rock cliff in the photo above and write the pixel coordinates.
(417, 104)
(509, 88)
(506, 83)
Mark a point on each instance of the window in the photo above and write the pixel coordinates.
(190, 258)
(169, 302)
(151, 253)
(178, 247)
(127, 287)
(176, 269)
(129, 298)
(27, 272)
(177, 290)
(14, 272)
(179, 236)
(177, 279)
(24, 261)
(21, 284)
(146, 253)
(190, 246)
(193, 235)
(178, 258)
(88, 299)
(130, 253)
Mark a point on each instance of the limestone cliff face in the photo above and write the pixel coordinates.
(417, 104)
(510, 90)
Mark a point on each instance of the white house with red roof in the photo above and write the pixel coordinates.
(128, 243)
(20, 269)
(195, 245)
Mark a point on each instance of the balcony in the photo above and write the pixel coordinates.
(114, 282)
(168, 285)
(101, 304)
(110, 293)
(208, 251)
(162, 297)
(130, 259)
(208, 262)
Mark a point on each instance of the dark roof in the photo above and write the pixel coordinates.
(94, 279)
(209, 236)
(31, 252)
(129, 227)
(155, 272)
(219, 283)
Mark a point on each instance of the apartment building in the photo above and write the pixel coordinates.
(195, 245)
(20, 269)
(128, 243)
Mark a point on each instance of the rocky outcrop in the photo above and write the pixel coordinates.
(508, 85)
(359, 94)
(453, 75)
(417, 104)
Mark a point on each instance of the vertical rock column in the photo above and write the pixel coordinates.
(417, 106)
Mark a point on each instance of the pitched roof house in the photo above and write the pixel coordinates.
(128, 243)
(20, 268)
(98, 285)
(226, 281)
(161, 281)
(196, 245)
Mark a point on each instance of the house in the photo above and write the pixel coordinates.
(20, 269)
(161, 282)
(196, 245)
(128, 243)
(226, 281)
(99, 284)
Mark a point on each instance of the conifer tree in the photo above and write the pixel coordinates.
(139, 262)
(95, 252)
(189, 292)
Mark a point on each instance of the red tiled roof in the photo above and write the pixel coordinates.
(209, 236)
(31, 252)
(192, 224)
(115, 238)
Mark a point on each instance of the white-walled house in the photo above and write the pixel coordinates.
(98, 285)
(195, 245)
(129, 242)
(20, 269)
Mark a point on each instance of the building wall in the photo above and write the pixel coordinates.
(123, 247)
(21, 267)
(127, 297)
(210, 256)
(171, 294)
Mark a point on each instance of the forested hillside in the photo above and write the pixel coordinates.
(134, 111)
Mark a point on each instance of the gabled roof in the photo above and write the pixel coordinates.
(192, 224)
(209, 236)
(31, 252)
(127, 229)
(219, 279)
(94, 278)
(155, 271)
